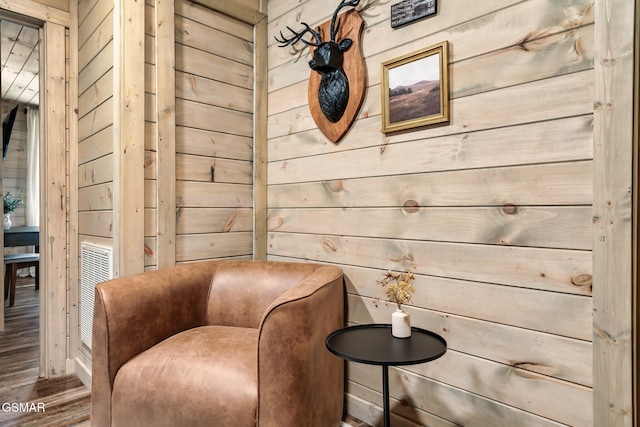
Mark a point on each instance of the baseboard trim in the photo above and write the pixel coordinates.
(83, 372)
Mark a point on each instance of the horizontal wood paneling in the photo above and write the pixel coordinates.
(213, 19)
(544, 269)
(208, 65)
(214, 220)
(508, 305)
(197, 168)
(212, 144)
(211, 92)
(151, 155)
(214, 134)
(96, 130)
(96, 41)
(545, 184)
(493, 211)
(507, 108)
(97, 93)
(552, 227)
(225, 46)
(208, 194)
(97, 145)
(97, 171)
(209, 117)
(208, 246)
(96, 198)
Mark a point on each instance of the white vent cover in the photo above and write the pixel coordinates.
(96, 267)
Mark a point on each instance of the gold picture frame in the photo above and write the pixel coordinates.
(415, 89)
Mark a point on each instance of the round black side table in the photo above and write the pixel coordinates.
(374, 345)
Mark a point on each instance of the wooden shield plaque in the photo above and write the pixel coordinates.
(351, 26)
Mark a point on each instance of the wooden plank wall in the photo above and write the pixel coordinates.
(151, 142)
(214, 134)
(492, 211)
(95, 121)
(14, 169)
(57, 4)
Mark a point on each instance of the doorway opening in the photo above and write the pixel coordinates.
(20, 182)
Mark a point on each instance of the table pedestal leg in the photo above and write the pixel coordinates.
(385, 395)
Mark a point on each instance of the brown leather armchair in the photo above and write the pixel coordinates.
(219, 343)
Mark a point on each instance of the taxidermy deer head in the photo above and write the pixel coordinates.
(333, 92)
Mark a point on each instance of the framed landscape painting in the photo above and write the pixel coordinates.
(415, 89)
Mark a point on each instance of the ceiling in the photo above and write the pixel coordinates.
(19, 57)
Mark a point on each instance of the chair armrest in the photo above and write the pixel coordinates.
(135, 312)
(293, 359)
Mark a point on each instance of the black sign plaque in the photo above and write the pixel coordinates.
(411, 10)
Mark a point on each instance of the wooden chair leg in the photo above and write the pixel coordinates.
(6, 281)
(37, 276)
(12, 286)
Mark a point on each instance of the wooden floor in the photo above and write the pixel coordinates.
(66, 401)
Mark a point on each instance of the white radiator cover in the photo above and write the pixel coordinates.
(96, 266)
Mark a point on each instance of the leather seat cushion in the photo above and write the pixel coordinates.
(176, 383)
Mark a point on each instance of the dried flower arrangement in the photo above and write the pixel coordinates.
(398, 288)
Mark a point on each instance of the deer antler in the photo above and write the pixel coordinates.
(343, 4)
(298, 37)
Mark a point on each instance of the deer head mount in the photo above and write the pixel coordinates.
(333, 96)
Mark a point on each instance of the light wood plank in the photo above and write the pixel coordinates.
(53, 232)
(571, 139)
(165, 116)
(96, 224)
(550, 227)
(360, 409)
(228, 46)
(91, 22)
(73, 250)
(37, 10)
(213, 144)
(99, 65)
(207, 194)
(197, 168)
(97, 120)
(211, 92)
(214, 220)
(261, 149)
(562, 96)
(465, 408)
(96, 94)
(213, 134)
(95, 146)
(239, 11)
(213, 67)
(98, 39)
(551, 355)
(502, 28)
(533, 59)
(548, 312)
(129, 113)
(206, 16)
(545, 269)
(98, 171)
(532, 143)
(202, 116)
(210, 246)
(561, 184)
(84, 8)
(96, 198)
(613, 323)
